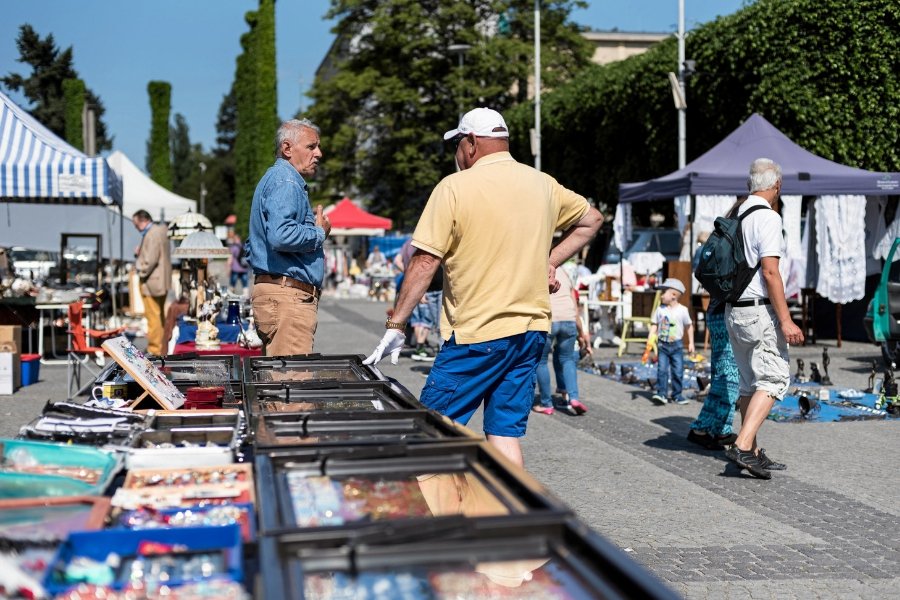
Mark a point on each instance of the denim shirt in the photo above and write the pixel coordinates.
(284, 238)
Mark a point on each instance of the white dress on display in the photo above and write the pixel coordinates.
(840, 244)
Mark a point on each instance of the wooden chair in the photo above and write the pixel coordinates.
(80, 353)
(639, 314)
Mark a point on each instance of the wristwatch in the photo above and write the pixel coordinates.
(394, 325)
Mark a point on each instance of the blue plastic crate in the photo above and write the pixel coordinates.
(98, 545)
(31, 368)
(27, 485)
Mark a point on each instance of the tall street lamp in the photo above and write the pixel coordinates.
(460, 50)
(203, 188)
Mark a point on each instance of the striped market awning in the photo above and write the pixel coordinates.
(36, 166)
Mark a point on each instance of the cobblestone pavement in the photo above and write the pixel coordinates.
(828, 527)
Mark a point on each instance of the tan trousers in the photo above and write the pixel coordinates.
(286, 319)
(153, 310)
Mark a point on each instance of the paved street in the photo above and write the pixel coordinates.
(828, 527)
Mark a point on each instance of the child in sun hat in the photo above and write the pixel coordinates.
(670, 323)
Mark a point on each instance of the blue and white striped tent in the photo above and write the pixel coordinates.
(36, 166)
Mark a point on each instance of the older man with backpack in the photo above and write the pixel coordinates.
(756, 312)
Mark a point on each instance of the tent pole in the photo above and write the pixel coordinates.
(117, 269)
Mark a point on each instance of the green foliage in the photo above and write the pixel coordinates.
(825, 72)
(183, 158)
(159, 160)
(394, 87)
(255, 108)
(73, 91)
(50, 68)
(828, 75)
(220, 175)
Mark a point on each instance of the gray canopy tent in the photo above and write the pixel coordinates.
(723, 170)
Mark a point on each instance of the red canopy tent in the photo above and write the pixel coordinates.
(348, 219)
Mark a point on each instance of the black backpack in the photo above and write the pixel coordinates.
(722, 269)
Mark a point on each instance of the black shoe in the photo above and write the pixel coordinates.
(768, 463)
(711, 442)
(749, 461)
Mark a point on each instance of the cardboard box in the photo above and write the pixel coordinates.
(11, 333)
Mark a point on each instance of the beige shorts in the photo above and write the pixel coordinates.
(286, 319)
(760, 350)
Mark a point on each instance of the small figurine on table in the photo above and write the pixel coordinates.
(207, 332)
(826, 380)
(800, 377)
(814, 375)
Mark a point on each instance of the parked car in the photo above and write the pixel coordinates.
(882, 320)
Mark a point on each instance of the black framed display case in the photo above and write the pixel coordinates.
(310, 367)
(340, 491)
(545, 558)
(277, 430)
(325, 396)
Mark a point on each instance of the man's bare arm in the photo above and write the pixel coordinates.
(775, 286)
(576, 237)
(416, 278)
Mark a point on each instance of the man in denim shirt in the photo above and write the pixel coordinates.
(285, 245)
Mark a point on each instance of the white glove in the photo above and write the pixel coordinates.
(391, 344)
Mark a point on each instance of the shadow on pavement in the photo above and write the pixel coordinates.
(423, 369)
(675, 439)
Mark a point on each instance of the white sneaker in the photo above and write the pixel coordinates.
(659, 399)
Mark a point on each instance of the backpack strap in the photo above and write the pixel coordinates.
(751, 210)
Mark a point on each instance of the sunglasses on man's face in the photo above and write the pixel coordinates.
(455, 140)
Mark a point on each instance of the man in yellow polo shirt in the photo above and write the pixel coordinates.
(490, 225)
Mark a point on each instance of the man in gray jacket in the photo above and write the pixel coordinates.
(154, 267)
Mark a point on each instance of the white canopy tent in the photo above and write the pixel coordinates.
(48, 188)
(141, 192)
(36, 166)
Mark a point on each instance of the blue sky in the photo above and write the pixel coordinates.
(120, 45)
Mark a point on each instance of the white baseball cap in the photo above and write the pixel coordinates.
(483, 122)
(672, 283)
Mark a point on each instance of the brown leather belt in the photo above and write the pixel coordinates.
(284, 280)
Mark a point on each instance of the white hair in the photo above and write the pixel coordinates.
(290, 130)
(765, 173)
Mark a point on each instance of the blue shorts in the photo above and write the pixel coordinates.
(499, 372)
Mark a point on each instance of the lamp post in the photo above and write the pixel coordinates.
(202, 188)
(460, 50)
(682, 76)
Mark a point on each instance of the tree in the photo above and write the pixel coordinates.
(159, 159)
(73, 91)
(384, 104)
(183, 156)
(828, 76)
(221, 172)
(50, 68)
(255, 108)
(226, 124)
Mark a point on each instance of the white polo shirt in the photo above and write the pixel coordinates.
(763, 237)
